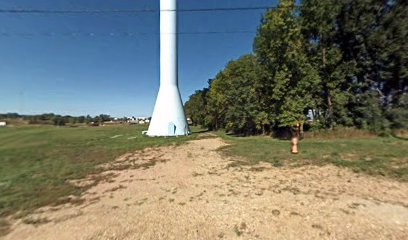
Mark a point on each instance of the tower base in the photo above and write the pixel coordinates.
(168, 117)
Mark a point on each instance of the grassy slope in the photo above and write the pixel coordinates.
(36, 162)
(375, 156)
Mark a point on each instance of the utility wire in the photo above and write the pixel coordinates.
(118, 34)
(216, 32)
(127, 34)
(101, 11)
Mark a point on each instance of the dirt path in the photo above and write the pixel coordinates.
(188, 192)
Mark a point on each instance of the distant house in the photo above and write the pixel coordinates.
(3, 124)
(110, 123)
(138, 120)
(132, 121)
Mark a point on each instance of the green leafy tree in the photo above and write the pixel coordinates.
(81, 119)
(373, 34)
(233, 101)
(196, 107)
(344, 60)
(59, 120)
(319, 25)
(217, 102)
(88, 119)
(241, 96)
(398, 114)
(281, 50)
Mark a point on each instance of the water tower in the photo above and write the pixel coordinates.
(168, 117)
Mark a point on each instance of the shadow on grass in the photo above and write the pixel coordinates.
(278, 134)
(199, 131)
(399, 137)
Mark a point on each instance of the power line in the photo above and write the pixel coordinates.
(217, 32)
(126, 34)
(101, 11)
(118, 34)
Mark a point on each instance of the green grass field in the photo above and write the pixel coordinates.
(372, 155)
(36, 162)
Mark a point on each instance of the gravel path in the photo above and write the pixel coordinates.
(189, 192)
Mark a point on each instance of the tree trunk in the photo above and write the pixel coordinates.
(328, 93)
(329, 109)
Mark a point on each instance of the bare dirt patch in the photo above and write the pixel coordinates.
(192, 192)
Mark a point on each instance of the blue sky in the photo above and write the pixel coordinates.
(80, 64)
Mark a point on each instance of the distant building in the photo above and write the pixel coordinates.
(3, 124)
(138, 120)
(109, 123)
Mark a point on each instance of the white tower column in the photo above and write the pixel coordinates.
(168, 117)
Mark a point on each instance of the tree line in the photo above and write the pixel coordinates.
(57, 120)
(329, 63)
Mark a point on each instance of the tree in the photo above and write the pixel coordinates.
(88, 119)
(59, 120)
(101, 118)
(195, 107)
(81, 119)
(216, 103)
(292, 80)
(240, 100)
(373, 34)
(319, 26)
(398, 114)
(344, 60)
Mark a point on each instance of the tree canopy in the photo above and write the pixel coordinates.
(340, 63)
